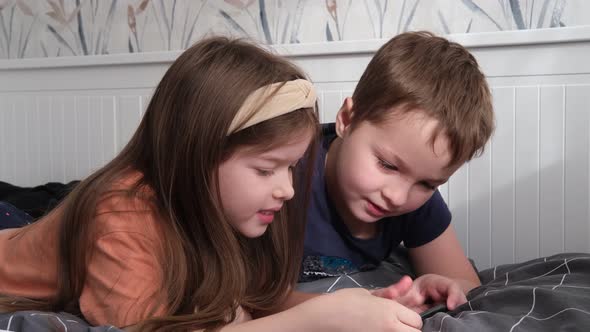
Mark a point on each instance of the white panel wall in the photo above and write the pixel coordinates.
(62, 137)
(526, 197)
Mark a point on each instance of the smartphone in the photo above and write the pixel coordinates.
(441, 307)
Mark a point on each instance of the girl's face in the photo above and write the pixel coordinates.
(254, 185)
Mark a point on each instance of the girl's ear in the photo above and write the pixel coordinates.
(344, 117)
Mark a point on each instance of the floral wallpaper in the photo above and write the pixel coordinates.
(49, 28)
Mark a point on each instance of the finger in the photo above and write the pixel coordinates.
(437, 296)
(408, 329)
(403, 285)
(456, 298)
(396, 290)
(441, 290)
(383, 293)
(420, 308)
(409, 317)
(387, 293)
(412, 299)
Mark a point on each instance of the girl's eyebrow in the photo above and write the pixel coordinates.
(274, 159)
(277, 160)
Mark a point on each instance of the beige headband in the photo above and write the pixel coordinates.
(286, 97)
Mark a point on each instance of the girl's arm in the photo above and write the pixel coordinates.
(346, 310)
(289, 320)
(444, 256)
(393, 292)
(294, 298)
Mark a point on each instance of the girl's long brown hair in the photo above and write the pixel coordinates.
(208, 268)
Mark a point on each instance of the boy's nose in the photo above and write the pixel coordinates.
(397, 195)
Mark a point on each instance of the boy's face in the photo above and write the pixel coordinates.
(387, 169)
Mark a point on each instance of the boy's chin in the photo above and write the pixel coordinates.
(370, 219)
(366, 218)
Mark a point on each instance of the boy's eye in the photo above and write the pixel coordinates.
(387, 166)
(428, 186)
(264, 172)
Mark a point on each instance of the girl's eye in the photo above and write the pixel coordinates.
(264, 172)
(387, 166)
(294, 166)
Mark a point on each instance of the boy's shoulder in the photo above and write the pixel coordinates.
(328, 131)
(328, 135)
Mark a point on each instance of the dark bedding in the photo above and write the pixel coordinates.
(35, 201)
(545, 294)
(47, 322)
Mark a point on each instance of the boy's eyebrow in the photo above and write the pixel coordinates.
(392, 156)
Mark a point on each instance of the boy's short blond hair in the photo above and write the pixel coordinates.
(418, 70)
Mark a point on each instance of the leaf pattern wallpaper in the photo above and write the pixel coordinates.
(50, 28)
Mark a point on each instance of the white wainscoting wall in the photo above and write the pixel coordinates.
(526, 197)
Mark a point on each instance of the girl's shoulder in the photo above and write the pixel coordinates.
(128, 208)
(124, 280)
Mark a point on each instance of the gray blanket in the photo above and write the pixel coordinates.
(33, 321)
(546, 294)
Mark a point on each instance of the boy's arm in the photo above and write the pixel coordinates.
(444, 256)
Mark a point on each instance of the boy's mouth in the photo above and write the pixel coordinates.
(375, 210)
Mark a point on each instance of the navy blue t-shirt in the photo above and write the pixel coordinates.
(326, 235)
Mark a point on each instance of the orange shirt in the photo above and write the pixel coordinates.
(124, 278)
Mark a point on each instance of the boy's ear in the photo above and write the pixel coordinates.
(344, 117)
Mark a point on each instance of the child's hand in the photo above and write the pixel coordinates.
(429, 288)
(395, 291)
(358, 310)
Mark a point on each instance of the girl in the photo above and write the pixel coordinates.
(195, 224)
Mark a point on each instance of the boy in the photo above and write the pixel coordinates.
(421, 109)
